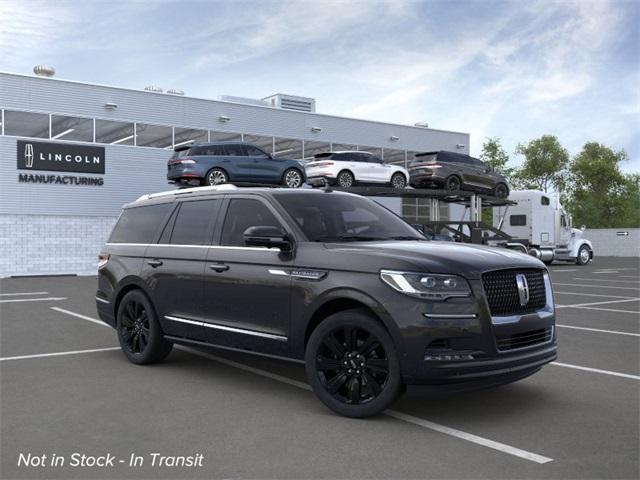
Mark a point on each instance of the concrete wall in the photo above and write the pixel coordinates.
(607, 242)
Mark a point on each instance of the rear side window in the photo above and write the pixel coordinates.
(233, 150)
(207, 150)
(139, 224)
(518, 220)
(191, 226)
(242, 214)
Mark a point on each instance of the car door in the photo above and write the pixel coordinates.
(174, 267)
(238, 165)
(380, 171)
(264, 168)
(354, 162)
(246, 290)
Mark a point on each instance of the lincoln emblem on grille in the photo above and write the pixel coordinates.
(28, 155)
(523, 289)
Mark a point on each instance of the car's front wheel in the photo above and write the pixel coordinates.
(292, 178)
(216, 176)
(584, 255)
(139, 331)
(352, 365)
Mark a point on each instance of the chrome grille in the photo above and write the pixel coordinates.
(502, 291)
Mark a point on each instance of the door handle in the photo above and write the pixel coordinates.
(219, 267)
(154, 263)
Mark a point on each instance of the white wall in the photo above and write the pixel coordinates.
(607, 242)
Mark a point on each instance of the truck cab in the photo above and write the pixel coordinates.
(540, 224)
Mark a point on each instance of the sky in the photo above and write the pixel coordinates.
(509, 69)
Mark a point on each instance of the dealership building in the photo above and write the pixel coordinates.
(72, 153)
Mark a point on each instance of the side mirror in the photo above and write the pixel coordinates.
(270, 237)
(583, 228)
(419, 227)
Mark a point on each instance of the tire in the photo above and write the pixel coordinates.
(584, 255)
(139, 332)
(371, 379)
(345, 179)
(501, 191)
(292, 178)
(399, 181)
(216, 176)
(453, 183)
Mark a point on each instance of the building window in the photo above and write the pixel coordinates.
(395, 157)
(264, 143)
(157, 136)
(26, 124)
(115, 133)
(183, 136)
(71, 128)
(313, 148)
(288, 148)
(376, 151)
(339, 147)
(225, 137)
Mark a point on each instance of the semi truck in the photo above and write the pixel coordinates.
(540, 225)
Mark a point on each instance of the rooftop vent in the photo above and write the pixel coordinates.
(153, 88)
(44, 71)
(291, 102)
(173, 91)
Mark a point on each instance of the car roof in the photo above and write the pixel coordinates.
(208, 144)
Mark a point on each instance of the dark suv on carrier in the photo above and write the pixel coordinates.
(456, 171)
(232, 162)
(330, 278)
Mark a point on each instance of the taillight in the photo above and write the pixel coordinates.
(103, 258)
(435, 165)
(322, 164)
(184, 161)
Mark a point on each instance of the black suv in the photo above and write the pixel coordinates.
(330, 278)
(235, 162)
(456, 171)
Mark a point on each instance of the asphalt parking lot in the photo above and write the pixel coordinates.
(66, 388)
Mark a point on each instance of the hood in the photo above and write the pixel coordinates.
(470, 261)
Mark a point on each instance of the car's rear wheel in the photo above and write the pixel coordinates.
(501, 191)
(216, 176)
(398, 180)
(352, 365)
(345, 179)
(139, 332)
(453, 183)
(292, 178)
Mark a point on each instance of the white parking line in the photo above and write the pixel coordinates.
(47, 299)
(588, 294)
(596, 370)
(592, 303)
(485, 442)
(598, 330)
(613, 310)
(58, 354)
(23, 293)
(628, 276)
(631, 282)
(84, 317)
(596, 286)
(563, 270)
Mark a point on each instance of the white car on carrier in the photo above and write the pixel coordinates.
(346, 169)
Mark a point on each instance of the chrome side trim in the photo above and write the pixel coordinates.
(281, 273)
(535, 345)
(183, 320)
(450, 315)
(225, 247)
(102, 300)
(228, 329)
(246, 332)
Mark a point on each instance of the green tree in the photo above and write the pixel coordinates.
(600, 195)
(495, 156)
(545, 164)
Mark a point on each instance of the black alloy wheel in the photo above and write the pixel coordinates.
(501, 191)
(216, 176)
(139, 332)
(453, 183)
(345, 179)
(292, 178)
(351, 364)
(398, 181)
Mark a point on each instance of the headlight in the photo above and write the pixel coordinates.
(428, 286)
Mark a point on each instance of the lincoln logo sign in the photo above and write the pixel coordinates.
(60, 157)
(523, 289)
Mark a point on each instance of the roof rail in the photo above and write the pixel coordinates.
(213, 188)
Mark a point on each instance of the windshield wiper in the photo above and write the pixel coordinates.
(406, 237)
(348, 238)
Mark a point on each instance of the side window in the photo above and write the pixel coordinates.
(192, 223)
(232, 150)
(563, 221)
(242, 214)
(139, 224)
(544, 201)
(254, 151)
(518, 220)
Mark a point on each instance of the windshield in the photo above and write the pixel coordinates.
(334, 217)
